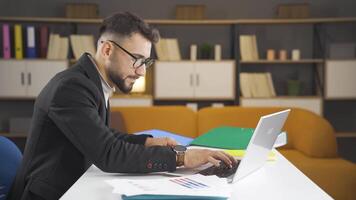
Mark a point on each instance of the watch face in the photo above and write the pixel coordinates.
(180, 148)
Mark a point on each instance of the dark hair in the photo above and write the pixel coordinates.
(124, 24)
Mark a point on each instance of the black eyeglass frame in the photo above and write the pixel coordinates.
(147, 62)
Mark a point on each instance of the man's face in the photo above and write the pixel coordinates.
(119, 66)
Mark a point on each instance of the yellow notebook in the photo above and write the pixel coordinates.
(241, 153)
(18, 42)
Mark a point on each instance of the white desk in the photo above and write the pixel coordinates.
(276, 180)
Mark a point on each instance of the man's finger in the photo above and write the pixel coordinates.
(214, 161)
(221, 156)
(230, 157)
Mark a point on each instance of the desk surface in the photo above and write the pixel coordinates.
(276, 180)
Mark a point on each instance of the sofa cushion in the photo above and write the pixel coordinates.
(175, 119)
(334, 175)
(307, 132)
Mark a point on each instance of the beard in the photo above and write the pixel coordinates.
(120, 82)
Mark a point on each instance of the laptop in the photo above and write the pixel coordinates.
(261, 143)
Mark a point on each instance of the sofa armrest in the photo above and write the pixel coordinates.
(311, 134)
(307, 132)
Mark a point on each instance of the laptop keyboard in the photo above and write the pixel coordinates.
(222, 171)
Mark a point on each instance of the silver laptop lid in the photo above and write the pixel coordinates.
(261, 143)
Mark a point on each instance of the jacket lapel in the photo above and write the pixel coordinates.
(90, 69)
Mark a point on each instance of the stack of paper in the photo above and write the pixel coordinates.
(167, 49)
(188, 187)
(57, 47)
(81, 44)
(248, 48)
(257, 85)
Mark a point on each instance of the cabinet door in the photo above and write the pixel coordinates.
(174, 80)
(215, 80)
(12, 78)
(39, 72)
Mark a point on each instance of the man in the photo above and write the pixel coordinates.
(70, 121)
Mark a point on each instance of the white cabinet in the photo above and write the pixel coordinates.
(26, 78)
(194, 80)
(174, 79)
(340, 81)
(12, 78)
(313, 104)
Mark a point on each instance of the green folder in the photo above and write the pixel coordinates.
(225, 137)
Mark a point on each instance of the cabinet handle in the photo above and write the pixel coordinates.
(197, 77)
(29, 78)
(22, 78)
(191, 79)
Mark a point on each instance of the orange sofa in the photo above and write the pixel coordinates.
(311, 144)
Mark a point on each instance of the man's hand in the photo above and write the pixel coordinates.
(160, 142)
(197, 157)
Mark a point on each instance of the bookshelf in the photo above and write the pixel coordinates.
(302, 61)
(316, 62)
(345, 134)
(186, 22)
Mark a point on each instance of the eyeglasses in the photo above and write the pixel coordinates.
(137, 61)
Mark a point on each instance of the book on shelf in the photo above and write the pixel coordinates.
(6, 41)
(248, 48)
(31, 42)
(81, 44)
(257, 85)
(43, 41)
(167, 49)
(57, 47)
(18, 42)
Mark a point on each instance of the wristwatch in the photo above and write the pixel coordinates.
(180, 152)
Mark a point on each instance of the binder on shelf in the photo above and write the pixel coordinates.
(43, 41)
(6, 41)
(18, 42)
(31, 42)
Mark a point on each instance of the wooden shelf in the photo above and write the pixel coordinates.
(345, 134)
(133, 96)
(284, 97)
(12, 135)
(199, 60)
(304, 61)
(185, 22)
(34, 59)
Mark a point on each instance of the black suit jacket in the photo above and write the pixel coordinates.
(70, 131)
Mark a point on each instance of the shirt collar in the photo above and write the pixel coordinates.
(107, 89)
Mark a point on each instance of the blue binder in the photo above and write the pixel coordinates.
(160, 133)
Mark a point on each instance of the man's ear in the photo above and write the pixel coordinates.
(106, 49)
